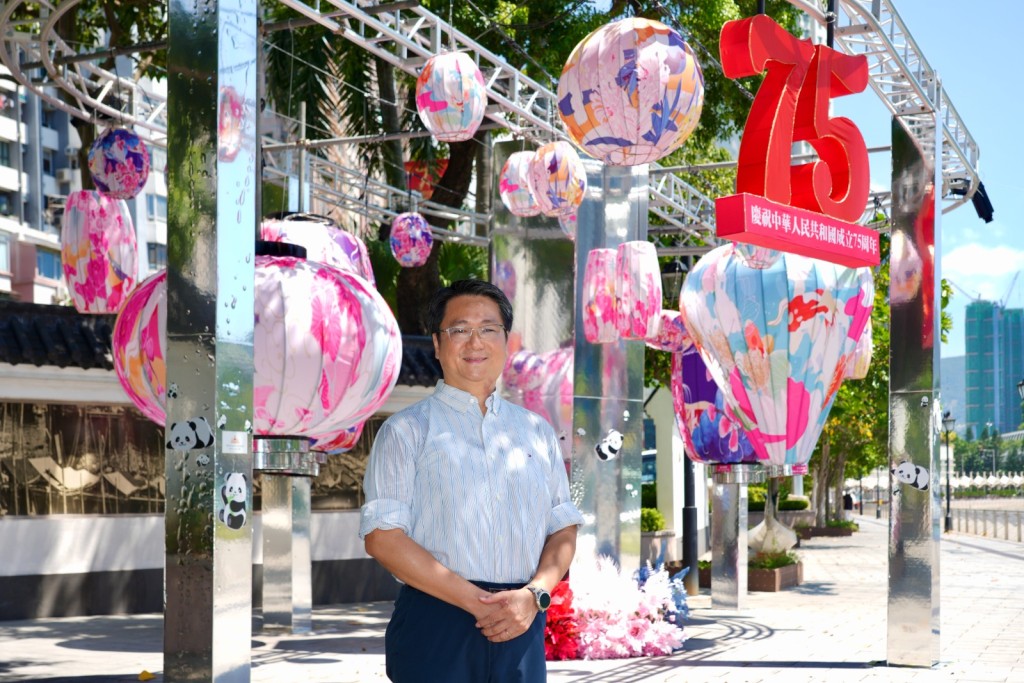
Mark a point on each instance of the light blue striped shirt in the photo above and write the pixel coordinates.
(481, 493)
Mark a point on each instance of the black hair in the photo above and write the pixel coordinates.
(439, 302)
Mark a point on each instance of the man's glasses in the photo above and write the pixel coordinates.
(487, 333)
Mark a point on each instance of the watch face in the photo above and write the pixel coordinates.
(544, 599)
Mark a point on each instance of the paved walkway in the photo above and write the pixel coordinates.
(833, 627)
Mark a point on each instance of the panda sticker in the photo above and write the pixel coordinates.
(190, 435)
(234, 494)
(911, 474)
(610, 445)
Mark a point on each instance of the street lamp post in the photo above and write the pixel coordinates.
(948, 422)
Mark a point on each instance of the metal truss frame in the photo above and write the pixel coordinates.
(908, 86)
(406, 35)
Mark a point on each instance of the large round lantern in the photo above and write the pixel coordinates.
(543, 383)
(326, 348)
(558, 180)
(631, 92)
(341, 441)
(119, 163)
(451, 96)
(671, 334)
(599, 305)
(777, 341)
(140, 347)
(523, 371)
(323, 240)
(98, 251)
(638, 290)
(710, 430)
(411, 239)
(514, 185)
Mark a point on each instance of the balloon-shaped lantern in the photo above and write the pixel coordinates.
(140, 349)
(631, 92)
(671, 334)
(638, 289)
(411, 239)
(229, 124)
(451, 96)
(326, 348)
(505, 277)
(599, 306)
(119, 163)
(558, 180)
(543, 383)
(710, 430)
(341, 441)
(514, 185)
(523, 371)
(777, 340)
(323, 240)
(98, 251)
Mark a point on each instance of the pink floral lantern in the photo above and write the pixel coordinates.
(451, 96)
(326, 348)
(98, 251)
(341, 441)
(631, 92)
(514, 185)
(599, 306)
(638, 290)
(119, 163)
(411, 240)
(672, 335)
(229, 124)
(523, 371)
(323, 240)
(558, 180)
(139, 347)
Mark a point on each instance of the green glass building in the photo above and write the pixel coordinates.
(994, 365)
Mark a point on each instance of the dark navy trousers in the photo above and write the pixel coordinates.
(431, 641)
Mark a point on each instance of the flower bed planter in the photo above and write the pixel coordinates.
(806, 532)
(764, 580)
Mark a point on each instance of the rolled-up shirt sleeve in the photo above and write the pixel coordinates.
(388, 483)
(563, 512)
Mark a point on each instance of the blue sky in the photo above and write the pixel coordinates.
(974, 48)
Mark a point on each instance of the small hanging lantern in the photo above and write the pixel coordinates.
(140, 349)
(638, 289)
(451, 96)
(411, 239)
(672, 335)
(98, 251)
(119, 163)
(322, 239)
(599, 306)
(558, 180)
(631, 92)
(514, 185)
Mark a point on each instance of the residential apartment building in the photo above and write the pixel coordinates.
(994, 365)
(39, 167)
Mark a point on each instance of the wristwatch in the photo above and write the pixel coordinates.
(541, 596)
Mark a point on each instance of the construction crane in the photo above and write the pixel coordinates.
(972, 297)
(1009, 290)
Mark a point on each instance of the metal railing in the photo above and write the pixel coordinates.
(1007, 525)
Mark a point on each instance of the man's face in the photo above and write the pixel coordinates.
(474, 364)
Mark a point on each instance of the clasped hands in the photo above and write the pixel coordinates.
(505, 615)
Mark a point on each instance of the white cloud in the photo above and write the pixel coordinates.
(974, 260)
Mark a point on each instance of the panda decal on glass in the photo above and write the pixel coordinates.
(912, 475)
(234, 496)
(190, 435)
(609, 447)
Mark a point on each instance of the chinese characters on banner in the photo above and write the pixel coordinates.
(818, 201)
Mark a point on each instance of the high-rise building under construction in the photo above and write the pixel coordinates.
(995, 364)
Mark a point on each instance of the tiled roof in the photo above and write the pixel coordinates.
(40, 335)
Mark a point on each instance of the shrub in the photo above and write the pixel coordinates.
(703, 564)
(651, 519)
(794, 504)
(772, 560)
(842, 524)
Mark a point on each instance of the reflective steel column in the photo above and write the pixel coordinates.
(914, 293)
(609, 379)
(286, 469)
(212, 176)
(729, 533)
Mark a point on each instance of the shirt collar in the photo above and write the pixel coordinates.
(461, 400)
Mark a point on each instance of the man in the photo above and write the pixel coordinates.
(467, 504)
